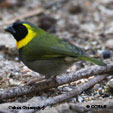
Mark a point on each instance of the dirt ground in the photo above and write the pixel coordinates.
(85, 23)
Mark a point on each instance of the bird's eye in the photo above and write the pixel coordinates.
(21, 27)
(18, 27)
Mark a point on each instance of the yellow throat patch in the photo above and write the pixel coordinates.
(31, 34)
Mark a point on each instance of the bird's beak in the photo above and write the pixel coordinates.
(10, 29)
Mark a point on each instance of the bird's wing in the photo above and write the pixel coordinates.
(47, 46)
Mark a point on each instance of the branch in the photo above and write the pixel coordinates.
(32, 13)
(84, 73)
(54, 100)
(50, 5)
(52, 83)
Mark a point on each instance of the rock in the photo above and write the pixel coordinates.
(7, 39)
(106, 54)
(96, 86)
(10, 3)
(109, 44)
(109, 86)
(47, 22)
(75, 9)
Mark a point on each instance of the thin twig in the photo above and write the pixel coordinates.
(54, 100)
(52, 83)
(34, 12)
(55, 3)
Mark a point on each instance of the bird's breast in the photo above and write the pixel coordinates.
(49, 68)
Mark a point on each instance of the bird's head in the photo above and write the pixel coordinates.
(22, 31)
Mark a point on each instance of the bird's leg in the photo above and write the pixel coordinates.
(53, 79)
(31, 82)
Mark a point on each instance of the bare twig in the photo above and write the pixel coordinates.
(54, 100)
(85, 73)
(55, 3)
(60, 80)
(34, 12)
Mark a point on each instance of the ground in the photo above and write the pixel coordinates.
(85, 23)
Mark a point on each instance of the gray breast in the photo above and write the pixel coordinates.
(49, 68)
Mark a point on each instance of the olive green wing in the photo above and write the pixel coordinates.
(48, 46)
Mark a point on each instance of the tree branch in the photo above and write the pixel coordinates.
(53, 100)
(52, 83)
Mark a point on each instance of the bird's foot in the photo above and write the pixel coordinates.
(52, 78)
(33, 81)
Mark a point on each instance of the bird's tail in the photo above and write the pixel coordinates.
(92, 60)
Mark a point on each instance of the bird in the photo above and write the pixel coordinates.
(44, 52)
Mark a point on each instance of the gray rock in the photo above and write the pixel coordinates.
(109, 43)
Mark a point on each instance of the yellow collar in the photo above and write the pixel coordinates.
(31, 34)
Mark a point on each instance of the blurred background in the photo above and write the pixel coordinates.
(85, 23)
